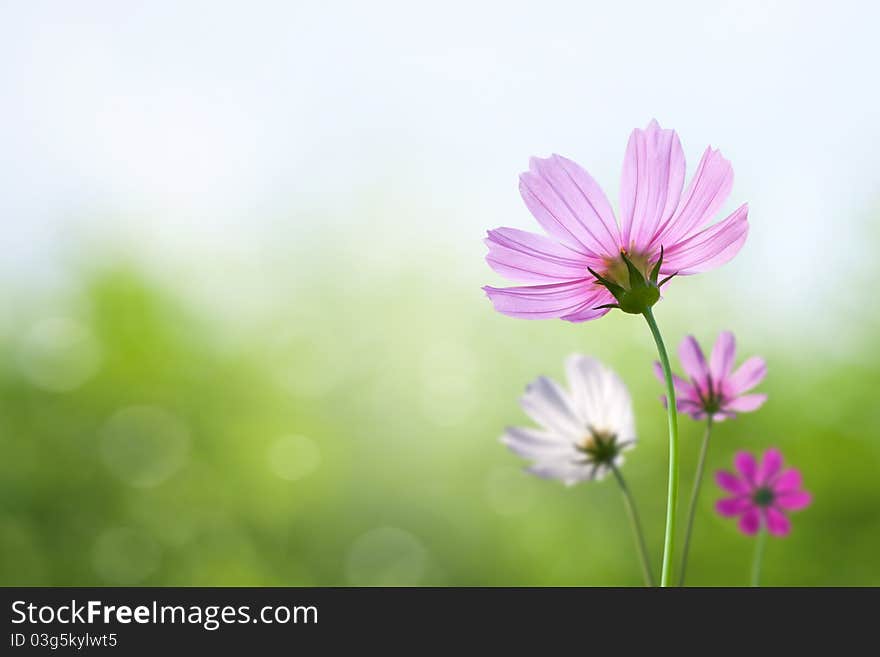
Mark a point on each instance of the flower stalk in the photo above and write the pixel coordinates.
(695, 496)
(672, 487)
(639, 535)
(760, 543)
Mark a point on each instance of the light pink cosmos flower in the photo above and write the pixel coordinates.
(583, 232)
(761, 493)
(713, 388)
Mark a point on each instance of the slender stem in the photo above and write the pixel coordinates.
(695, 496)
(759, 557)
(636, 526)
(672, 489)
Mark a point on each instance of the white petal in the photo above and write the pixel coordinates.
(600, 397)
(601, 472)
(538, 445)
(550, 406)
(565, 470)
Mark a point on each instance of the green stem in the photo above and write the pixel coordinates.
(636, 526)
(760, 542)
(672, 490)
(695, 496)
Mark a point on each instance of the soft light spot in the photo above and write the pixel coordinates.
(294, 457)
(508, 491)
(144, 445)
(125, 556)
(386, 556)
(58, 354)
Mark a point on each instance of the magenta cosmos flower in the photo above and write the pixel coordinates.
(585, 264)
(714, 388)
(761, 493)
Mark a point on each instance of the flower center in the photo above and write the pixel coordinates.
(599, 446)
(763, 496)
(712, 400)
(617, 271)
(631, 281)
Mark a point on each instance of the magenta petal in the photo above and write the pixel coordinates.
(746, 403)
(771, 464)
(733, 506)
(788, 481)
(651, 183)
(706, 193)
(709, 248)
(723, 356)
(541, 301)
(793, 500)
(693, 362)
(750, 522)
(731, 483)
(746, 465)
(778, 523)
(527, 257)
(569, 205)
(747, 376)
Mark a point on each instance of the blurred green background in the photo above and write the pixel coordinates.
(242, 336)
(350, 437)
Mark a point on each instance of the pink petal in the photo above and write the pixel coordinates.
(590, 309)
(710, 248)
(745, 403)
(723, 357)
(570, 206)
(778, 523)
(788, 481)
(705, 195)
(681, 386)
(693, 362)
(771, 464)
(750, 522)
(651, 183)
(747, 376)
(696, 411)
(684, 405)
(527, 257)
(733, 506)
(542, 301)
(748, 468)
(793, 500)
(731, 483)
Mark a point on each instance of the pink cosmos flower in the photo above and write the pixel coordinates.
(584, 235)
(713, 388)
(761, 493)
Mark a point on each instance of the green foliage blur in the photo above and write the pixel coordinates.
(351, 437)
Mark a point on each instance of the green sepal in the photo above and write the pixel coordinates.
(641, 294)
(656, 271)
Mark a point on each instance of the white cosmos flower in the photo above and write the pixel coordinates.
(583, 431)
